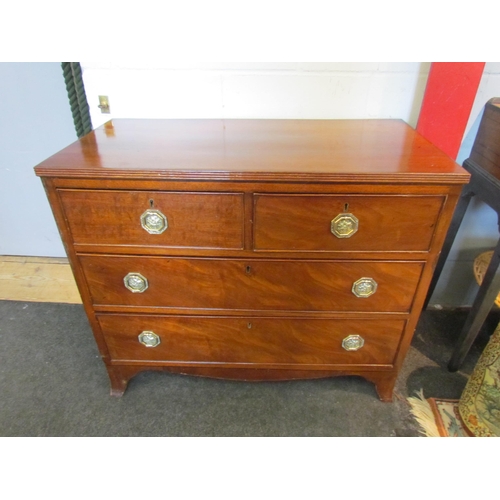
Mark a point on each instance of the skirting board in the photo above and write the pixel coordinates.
(37, 279)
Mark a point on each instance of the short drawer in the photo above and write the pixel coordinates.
(298, 341)
(166, 219)
(239, 284)
(328, 223)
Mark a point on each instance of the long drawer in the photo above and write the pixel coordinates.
(255, 285)
(345, 222)
(152, 218)
(251, 340)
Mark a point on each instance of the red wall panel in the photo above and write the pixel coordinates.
(449, 96)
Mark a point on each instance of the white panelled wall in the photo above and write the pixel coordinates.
(257, 90)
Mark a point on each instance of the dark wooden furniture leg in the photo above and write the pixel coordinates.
(119, 377)
(384, 384)
(458, 216)
(485, 298)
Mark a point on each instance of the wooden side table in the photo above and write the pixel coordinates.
(484, 167)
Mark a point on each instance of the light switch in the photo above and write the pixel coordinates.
(104, 104)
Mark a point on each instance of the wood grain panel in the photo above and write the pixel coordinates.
(251, 284)
(251, 340)
(486, 148)
(203, 220)
(303, 222)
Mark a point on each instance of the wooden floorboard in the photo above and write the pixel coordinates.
(37, 279)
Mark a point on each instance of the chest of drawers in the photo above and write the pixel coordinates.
(253, 249)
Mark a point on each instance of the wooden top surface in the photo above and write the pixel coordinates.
(485, 153)
(256, 150)
(495, 101)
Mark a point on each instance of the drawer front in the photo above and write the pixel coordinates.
(191, 220)
(251, 340)
(252, 284)
(311, 223)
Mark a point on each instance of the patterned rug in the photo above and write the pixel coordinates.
(477, 413)
(437, 417)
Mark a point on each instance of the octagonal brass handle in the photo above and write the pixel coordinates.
(364, 287)
(353, 342)
(135, 282)
(153, 221)
(149, 339)
(344, 225)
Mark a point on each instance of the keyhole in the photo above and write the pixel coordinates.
(346, 207)
(151, 203)
(249, 325)
(248, 269)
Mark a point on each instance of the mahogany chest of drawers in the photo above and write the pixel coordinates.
(253, 249)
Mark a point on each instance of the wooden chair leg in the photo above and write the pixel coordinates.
(483, 303)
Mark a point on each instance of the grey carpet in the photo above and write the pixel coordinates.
(53, 383)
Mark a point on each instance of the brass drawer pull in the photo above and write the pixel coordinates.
(364, 287)
(149, 339)
(353, 343)
(153, 221)
(136, 282)
(344, 225)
